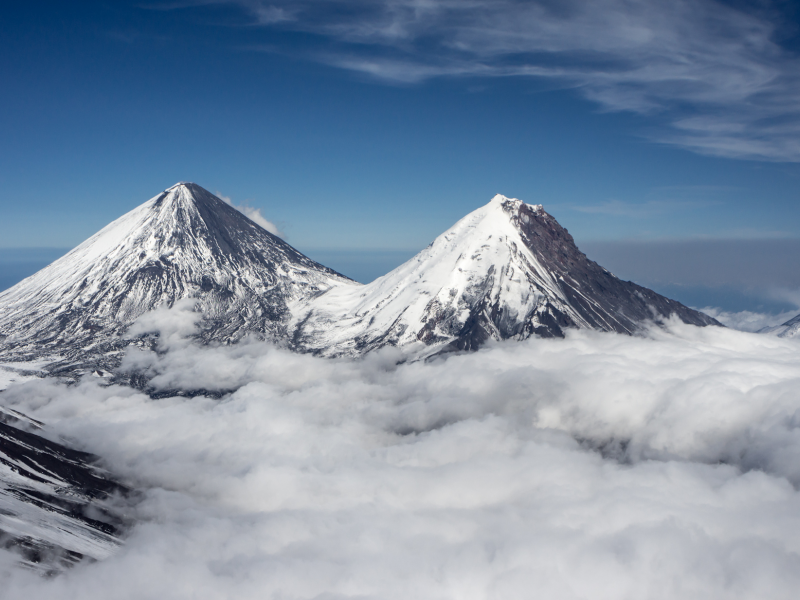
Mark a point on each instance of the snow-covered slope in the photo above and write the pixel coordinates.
(789, 329)
(507, 270)
(183, 243)
(54, 502)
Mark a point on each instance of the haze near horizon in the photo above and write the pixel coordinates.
(362, 130)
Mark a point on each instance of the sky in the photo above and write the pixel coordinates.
(363, 129)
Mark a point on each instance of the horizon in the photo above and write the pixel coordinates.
(368, 129)
(728, 275)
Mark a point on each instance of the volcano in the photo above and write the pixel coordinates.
(183, 243)
(505, 271)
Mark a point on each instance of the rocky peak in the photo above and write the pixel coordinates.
(507, 270)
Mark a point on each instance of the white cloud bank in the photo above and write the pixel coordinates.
(599, 466)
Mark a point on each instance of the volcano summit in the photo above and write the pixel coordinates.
(183, 243)
(505, 271)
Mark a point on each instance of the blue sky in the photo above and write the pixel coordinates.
(368, 127)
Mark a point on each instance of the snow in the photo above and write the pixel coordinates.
(790, 328)
(19, 372)
(482, 250)
(182, 243)
(40, 521)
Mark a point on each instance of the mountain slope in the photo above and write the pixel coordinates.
(506, 271)
(789, 329)
(54, 501)
(183, 243)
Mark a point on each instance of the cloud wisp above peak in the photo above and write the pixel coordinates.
(712, 76)
(254, 214)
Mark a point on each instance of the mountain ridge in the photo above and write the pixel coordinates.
(507, 270)
(57, 506)
(790, 328)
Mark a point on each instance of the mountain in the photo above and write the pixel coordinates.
(57, 507)
(183, 243)
(789, 329)
(506, 271)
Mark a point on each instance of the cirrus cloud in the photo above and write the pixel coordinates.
(713, 76)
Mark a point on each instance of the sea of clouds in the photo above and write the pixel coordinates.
(598, 466)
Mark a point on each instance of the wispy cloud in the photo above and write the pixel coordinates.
(267, 15)
(647, 209)
(746, 320)
(254, 214)
(713, 74)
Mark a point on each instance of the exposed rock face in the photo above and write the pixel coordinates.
(184, 243)
(506, 271)
(789, 329)
(55, 504)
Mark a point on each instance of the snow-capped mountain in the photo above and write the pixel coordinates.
(507, 270)
(183, 243)
(55, 504)
(789, 329)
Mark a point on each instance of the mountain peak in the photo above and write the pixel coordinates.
(186, 193)
(507, 270)
(512, 205)
(186, 186)
(184, 243)
(186, 189)
(790, 328)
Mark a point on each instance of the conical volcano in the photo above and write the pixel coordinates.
(183, 243)
(505, 271)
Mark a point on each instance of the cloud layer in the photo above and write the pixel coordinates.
(714, 75)
(603, 466)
